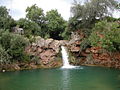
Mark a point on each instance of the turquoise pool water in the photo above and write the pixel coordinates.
(82, 78)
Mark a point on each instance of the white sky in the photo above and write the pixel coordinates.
(18, 7)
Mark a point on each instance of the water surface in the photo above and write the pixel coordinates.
(85, 78)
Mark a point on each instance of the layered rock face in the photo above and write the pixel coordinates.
(99, 57)
(47, 51)
(92, 56)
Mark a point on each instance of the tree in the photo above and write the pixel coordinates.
(37, 18)
(4, 56)
(5, 19)
(56, 24)
(92, 10)
(34, 13)
(30, 27)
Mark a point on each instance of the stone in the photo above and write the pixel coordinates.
(95, 49)
(16, 67)
(39, 50)
(32, 66)
(3, 70)
(87, 50)
(40, 41)
(74, 49)
(48, 42)
(55, 45)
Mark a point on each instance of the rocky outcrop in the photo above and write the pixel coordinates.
(105, 58)
(47, 51)
(96, 56)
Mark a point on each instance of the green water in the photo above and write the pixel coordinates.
(85, 78)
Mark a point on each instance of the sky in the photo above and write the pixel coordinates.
(18, 7)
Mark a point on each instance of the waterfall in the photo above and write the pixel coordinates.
(65, 58)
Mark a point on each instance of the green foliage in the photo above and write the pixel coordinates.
(17, 46)
(13, 45)
(66, 34)
(36, 23)
(5, 19)
(34, 13)
(110, 19)
(30, 27)
(5, 39)
(91, 11)
(55, 24)
(73, 24)
(37, 20)
(4, 57)
(84, 44)
(106, 35)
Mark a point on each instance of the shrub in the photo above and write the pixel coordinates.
(106, 35)
(13, 45)
(5, 39)
(4, 56)
(17, 46)
(84, 44)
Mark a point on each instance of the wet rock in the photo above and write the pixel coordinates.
(74, 49)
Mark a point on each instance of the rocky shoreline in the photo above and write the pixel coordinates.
(46, 53)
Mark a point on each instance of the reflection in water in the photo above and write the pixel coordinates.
(66, 79)
(88, 78)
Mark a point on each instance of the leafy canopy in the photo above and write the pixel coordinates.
(55, 24)
(5, 19)
(92, 10)
(34, 13)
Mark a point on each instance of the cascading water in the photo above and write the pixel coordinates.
(65, 58)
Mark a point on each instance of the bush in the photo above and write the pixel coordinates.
(5, 39)
(84, 44)
(13, 45)
(106, 35)
(4, 56)
(17, 46)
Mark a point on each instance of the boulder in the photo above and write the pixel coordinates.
(55, 45)
(48, 42)
(40, 42)
(75, 49)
